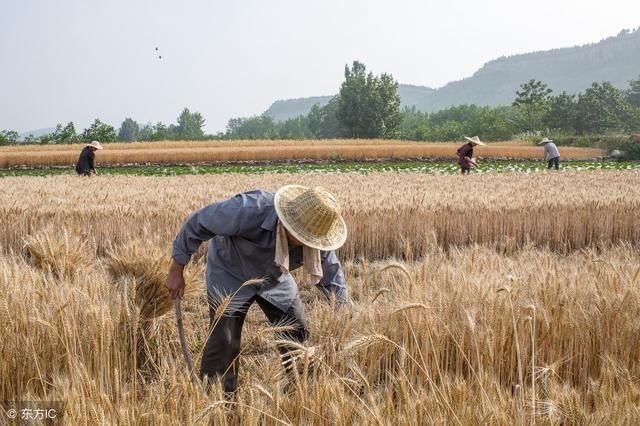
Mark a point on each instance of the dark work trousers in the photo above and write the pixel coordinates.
(554, 162)
(220, 357)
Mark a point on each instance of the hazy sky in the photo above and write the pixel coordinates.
(64, 60)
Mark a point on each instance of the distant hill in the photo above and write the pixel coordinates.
(572, 69)
(283, 109)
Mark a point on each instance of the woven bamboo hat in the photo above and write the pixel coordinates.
(95, 144)
(475, 140)
(312, 216)
(545, 140)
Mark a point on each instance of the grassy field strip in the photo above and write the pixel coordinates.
(369, 167)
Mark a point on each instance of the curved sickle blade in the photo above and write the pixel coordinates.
(183, 340)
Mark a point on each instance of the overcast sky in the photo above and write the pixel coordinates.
(67, 60)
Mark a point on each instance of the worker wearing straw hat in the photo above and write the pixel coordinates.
(260, 234)
(86, 165)
(465, 154)
(551, 153)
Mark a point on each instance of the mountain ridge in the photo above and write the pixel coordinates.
(571, 69)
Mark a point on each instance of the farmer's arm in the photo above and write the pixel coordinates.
(221, 218)
(332, 282)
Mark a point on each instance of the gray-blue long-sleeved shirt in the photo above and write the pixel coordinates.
(550, 151)
(242, 231)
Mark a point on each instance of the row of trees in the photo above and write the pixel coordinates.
(189, 127)
(65, 134)
(97, 131)
(368, 106)
(600, 109)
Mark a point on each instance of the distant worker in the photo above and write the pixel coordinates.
(551, 153)
(260, 234)
(465, 154)
(86, 165)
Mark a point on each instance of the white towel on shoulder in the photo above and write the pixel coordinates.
(310, 257)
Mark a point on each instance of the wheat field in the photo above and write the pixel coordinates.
(181, 152)
(497, 299)
(390, 215)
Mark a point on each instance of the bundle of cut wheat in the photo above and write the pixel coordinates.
(146, 270)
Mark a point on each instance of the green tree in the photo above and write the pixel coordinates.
(331, 127)
(491, 123)
(314, 120)
(561, 112)
(146, 132)
(389, 105)
(190, 125)
(160, 132)
(368, 106)
(66, 134)
(8, 137)
(99, 131)
(129, 131)
(447, 131)
(633, 93)
(414, 124)
(256, 127)
(532, 99)
(603, 108)
(30, 139)
(293, 128)
(323, 122)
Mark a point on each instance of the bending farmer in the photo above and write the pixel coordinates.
(551, 153)
(465, 154)
(253, 235)
(86, 165)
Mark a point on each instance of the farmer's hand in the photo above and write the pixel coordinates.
(175, 280)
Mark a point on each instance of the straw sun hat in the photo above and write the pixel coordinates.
(475, 140)
(312, 216)
(545, 140)
(95, 144)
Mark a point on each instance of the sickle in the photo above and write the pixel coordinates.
(183, 340)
